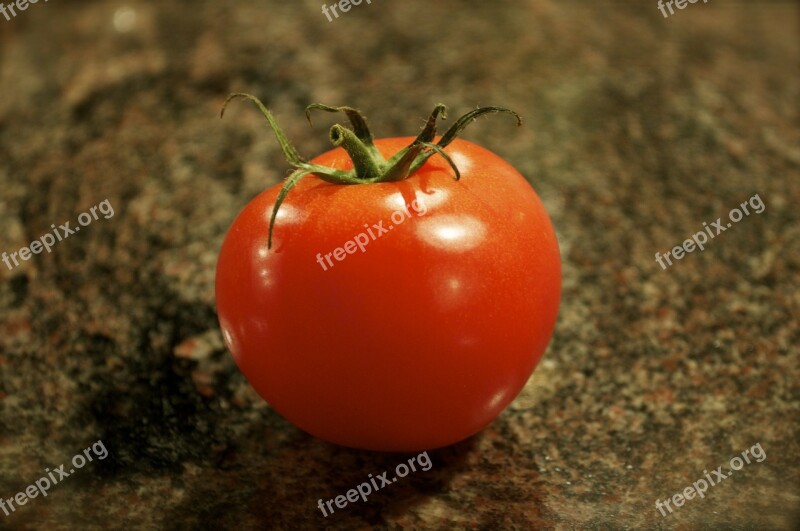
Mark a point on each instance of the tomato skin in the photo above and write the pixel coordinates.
(421, 340)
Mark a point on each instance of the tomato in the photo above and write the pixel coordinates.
(394, 316)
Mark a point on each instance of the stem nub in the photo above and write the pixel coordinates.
(369, 166)
(366, 165)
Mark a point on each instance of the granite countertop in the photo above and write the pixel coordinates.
(638, 129)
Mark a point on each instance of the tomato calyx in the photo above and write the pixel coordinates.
(369, 166)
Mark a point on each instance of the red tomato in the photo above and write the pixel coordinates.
(394, 316)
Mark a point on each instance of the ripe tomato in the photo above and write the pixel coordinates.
(417, 337)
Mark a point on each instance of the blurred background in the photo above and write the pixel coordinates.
(638, 128)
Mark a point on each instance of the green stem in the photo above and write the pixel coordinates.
(357, 120)
(369, 166)
(366, 165)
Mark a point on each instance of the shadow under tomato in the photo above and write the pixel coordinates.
(274, 479)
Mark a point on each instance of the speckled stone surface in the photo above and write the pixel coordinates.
(638, 129)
